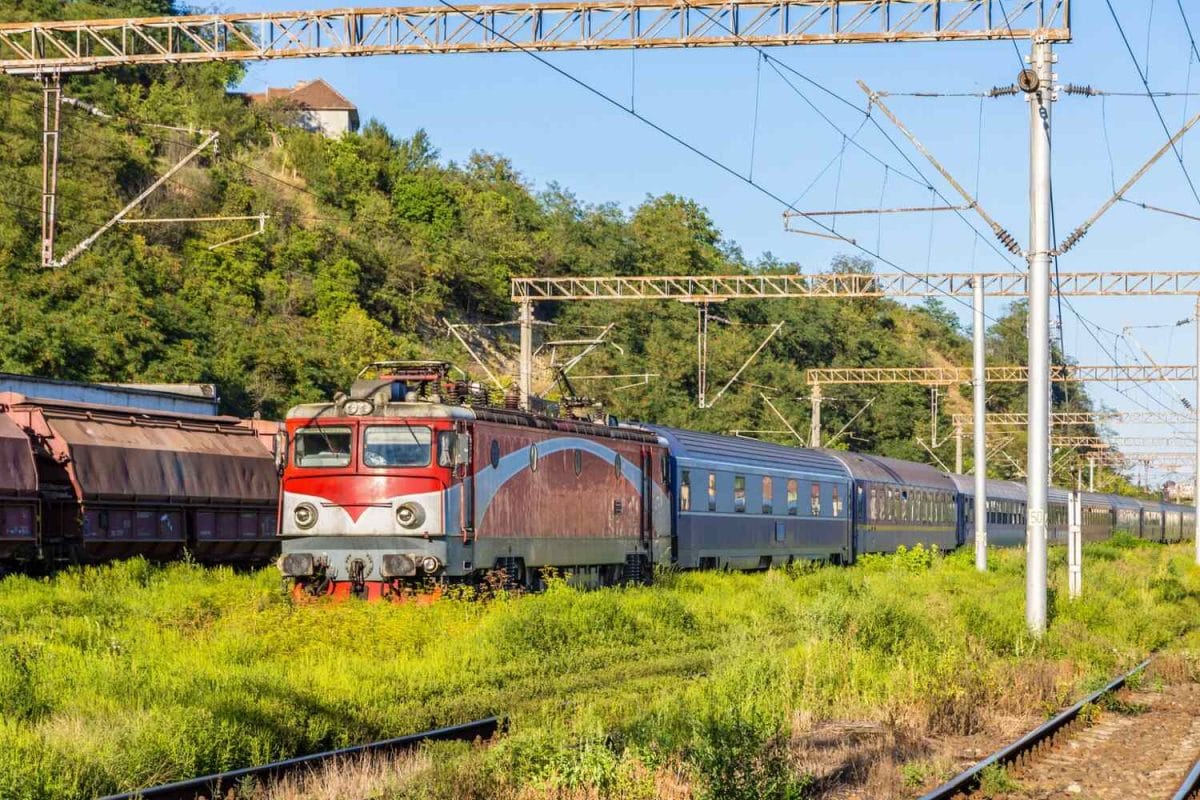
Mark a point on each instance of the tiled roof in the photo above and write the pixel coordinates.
(317, 95)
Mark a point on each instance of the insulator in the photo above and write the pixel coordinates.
(1002, 91)
(452, 394)
(1009, 241)
(512, 398)
(1081, 89)
(480, 395)
(1071, 240)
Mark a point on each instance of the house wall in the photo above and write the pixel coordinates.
(331, 123)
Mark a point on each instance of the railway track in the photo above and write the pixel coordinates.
(1139, 744)
(218, 784)
(1190, 788)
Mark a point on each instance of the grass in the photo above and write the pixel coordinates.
(704, 685)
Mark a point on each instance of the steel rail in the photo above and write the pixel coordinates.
(1190, 787)
(215, 785)
(968, 780)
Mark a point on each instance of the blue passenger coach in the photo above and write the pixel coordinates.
(899, 503)
(746, 504)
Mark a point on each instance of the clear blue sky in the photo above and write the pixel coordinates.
(553, 130)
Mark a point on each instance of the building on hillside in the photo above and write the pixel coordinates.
(1179, 491)
(322, 108)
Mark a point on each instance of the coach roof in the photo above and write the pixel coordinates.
(892, 470)
(731, 452)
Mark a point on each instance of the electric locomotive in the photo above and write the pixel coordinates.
(413, 479)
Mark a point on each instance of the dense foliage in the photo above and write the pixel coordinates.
(125, 675)
(374, 241)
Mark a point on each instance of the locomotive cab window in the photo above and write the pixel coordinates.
(396, 446)
(322, 447)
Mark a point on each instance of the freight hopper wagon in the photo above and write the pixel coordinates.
(412, 479)
(88, 483)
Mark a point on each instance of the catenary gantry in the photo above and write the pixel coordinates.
(452, 28)
(719, 288)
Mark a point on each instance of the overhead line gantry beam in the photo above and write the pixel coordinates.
(1005, 419)
(596, 25)
(718, 288)
(949, 376)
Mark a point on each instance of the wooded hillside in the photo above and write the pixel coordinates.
(374, 240)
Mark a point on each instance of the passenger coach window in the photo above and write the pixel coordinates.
(685, 491)
(322, 447)
(396, 446)
(712, 492)
(814, 503)
(837, 503)
(739, 493)
(793, 497)
(768, 492)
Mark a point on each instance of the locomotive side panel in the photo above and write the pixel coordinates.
(560, 498)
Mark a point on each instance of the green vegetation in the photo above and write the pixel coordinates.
(995, 781)
(130, 674)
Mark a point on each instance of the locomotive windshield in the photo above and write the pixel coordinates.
(397, 446)
(323, 447)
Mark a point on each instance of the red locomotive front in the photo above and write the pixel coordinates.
(401, 483)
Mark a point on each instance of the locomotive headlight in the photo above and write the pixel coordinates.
(410, 515)
(430, 564)
(305, 516)
(296, 565)
(358, 408)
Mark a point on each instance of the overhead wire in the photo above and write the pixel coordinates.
(694, 149)
(1154, 102)
(774, 63)
(1083, 321)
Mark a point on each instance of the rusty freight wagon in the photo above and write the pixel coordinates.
(113, 482)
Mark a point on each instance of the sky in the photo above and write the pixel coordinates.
(554, 131)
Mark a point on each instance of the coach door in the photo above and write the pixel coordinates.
(647, 504)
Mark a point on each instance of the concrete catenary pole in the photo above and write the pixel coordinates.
(814, 422)
(958, 448)
(979, 387)
(525, 369)
(1196, 411)
(1040, 245)
(1091, 473)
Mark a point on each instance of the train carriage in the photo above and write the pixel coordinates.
(1126, 515)
(1153, 520)
(1097, 517)
(1005, 509)
(899, 503)
(18, 495)
(746, 504)
(115, 482)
